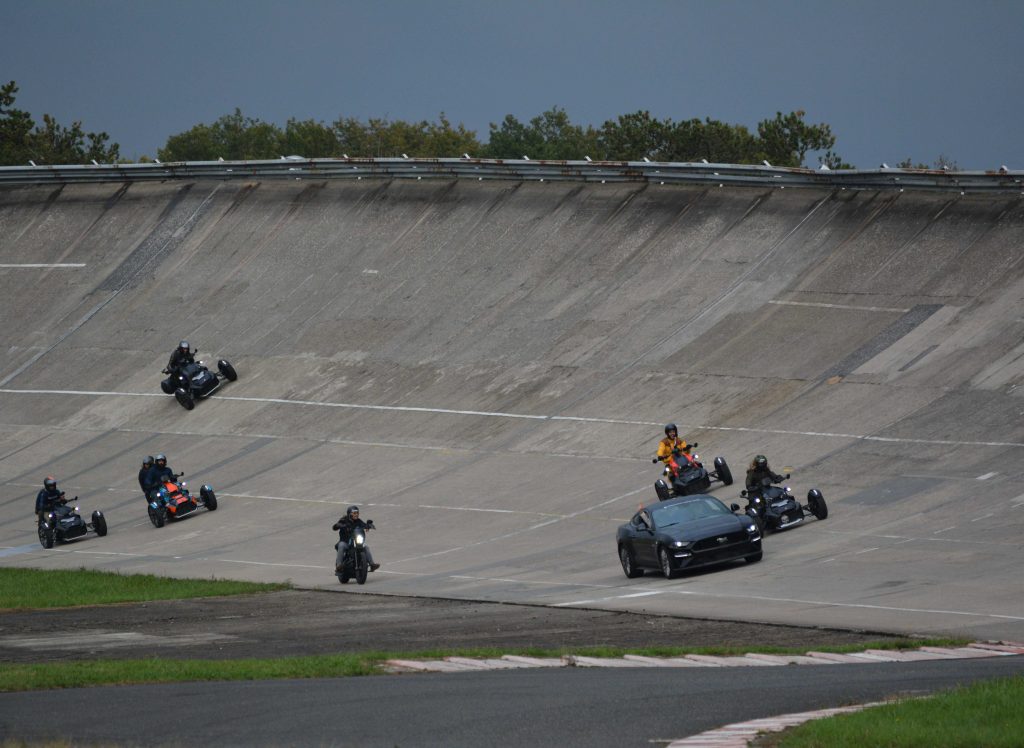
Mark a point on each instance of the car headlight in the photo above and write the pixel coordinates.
(751, 529)
(680, 544)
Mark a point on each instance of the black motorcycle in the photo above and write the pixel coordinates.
(774, 507)
(689, 476)
(354, 563)
(194, 381)
(63, 523)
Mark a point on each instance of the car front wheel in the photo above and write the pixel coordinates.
(628, 562)
(666, 563)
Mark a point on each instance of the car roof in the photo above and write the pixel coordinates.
(683, 500)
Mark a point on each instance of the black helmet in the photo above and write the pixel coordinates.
(352, 510)
(50, 484)
(147, 461)
(161, 460)
(183, 346)
(760, 462)
(670, 427)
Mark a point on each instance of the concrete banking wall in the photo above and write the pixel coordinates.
(525, 341)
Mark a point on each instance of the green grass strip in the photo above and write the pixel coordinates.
(22, 589)
(25, 677)
(986, 714)
(119, 672)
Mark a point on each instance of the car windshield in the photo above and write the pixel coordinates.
(689, 511)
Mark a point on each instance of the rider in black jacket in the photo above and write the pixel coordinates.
(49, 498)
(182, 355)
(146, 481)
(758, 471)
(161, 472)
(345, 526)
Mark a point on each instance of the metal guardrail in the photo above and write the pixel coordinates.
(1002, 181)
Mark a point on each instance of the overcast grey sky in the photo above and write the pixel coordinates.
(895, 79)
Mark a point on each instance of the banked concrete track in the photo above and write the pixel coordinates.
(485, 369)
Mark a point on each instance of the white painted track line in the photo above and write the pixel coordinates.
(525, 416)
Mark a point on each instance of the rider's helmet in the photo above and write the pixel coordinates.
(760, 462)
(352, 512)
(671, 427)
(161, 460)
(183, 346)
(50, 483)
(147, 461)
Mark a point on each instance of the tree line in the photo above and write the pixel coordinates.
(782, 140)
(22, 141)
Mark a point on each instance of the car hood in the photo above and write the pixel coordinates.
(703, 528)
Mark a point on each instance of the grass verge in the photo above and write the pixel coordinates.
(22, 589)
(982, 714)
(19, 677)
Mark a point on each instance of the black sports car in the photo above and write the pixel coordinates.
(685, 533)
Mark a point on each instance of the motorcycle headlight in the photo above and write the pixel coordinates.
(359, 539)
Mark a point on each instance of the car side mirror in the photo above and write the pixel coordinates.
(743, 493)
(734, 507)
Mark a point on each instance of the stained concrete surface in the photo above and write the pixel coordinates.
(303, 622)
(485, 369)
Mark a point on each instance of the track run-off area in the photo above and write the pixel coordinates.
(485, 369)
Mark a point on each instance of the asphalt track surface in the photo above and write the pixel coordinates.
(563, 706)
(485, 369)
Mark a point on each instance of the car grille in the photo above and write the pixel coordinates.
(712, 544)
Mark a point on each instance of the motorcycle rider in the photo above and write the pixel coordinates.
(146, 480)
(758, 471)
(345, 526)
(49, 498)
(161, 472)
(181, 356)
(672, 447)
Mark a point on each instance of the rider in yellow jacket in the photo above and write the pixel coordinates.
(672, 446)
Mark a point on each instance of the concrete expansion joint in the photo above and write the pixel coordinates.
(974, 650)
